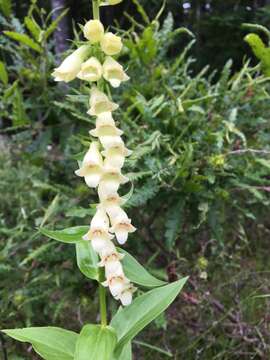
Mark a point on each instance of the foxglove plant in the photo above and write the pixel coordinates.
(98, 257)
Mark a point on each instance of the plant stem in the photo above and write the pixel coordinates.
(95, 4)
(101, 290)
(102, 299)
(101, 277)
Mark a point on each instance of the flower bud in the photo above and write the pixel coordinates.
(93, 31)
(99, 103)
(71, 66)
(91, 70)
(113, 72)
(111, 44)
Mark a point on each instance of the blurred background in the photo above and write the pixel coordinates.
(196, 114)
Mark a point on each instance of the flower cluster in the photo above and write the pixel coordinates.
(102, 165)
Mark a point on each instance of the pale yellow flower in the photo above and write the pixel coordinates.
(113, 72)
(121, 226)
(110, 182)
(93, 31)
(92, 166)
(115, 155)
(111, 44)
(105, 118)
(100, 103)
(71, 66)
(91, 70)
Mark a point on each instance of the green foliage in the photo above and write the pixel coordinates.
(49, 342)
(95, 343)
(260, 51)
(137, 273)
(128, 322)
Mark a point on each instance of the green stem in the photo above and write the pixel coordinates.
(95, 4)
(102, 299)
(101, 277)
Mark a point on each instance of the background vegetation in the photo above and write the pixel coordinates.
(196, 114)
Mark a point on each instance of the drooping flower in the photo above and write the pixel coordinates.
(105, 118)
(126, 295)
(105, 130)
(115, 155)
(113, 72)
(111, 204)
(121, 226)
(92, 166)
(91, 70)
(100, 103)
(93, 31)
(112, 263)
(111, 44)
(116, 283)
(111, 179)
(98, 233)
(71, 66)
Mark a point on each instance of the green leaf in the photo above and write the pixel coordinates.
(19, 117)
(24, 39)
(137, 273)
(95, 342)
(126, 353)
(51, 343)
(87, 260)
(174, 220)
(54, 24)
(69, 236)
(6, 7)
(3, 73)
(129, 321)
(33, 27)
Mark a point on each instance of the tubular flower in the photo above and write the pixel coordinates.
(111, 44)
(92, 166)
(125, 296)
(91, 70)
(113, 72)
(100, 103)
(115, 155)
(121, 225)
(93, 31)
(111, 179)
(71, 66)
(102, 168)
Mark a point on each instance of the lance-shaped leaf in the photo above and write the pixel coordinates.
(87, 259)
(126, 353)
(95, 342)
(69, 236)
(129, 321)
(24, 39)
(137, 273)
(51, 343)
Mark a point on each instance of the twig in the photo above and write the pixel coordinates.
(243, 151)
